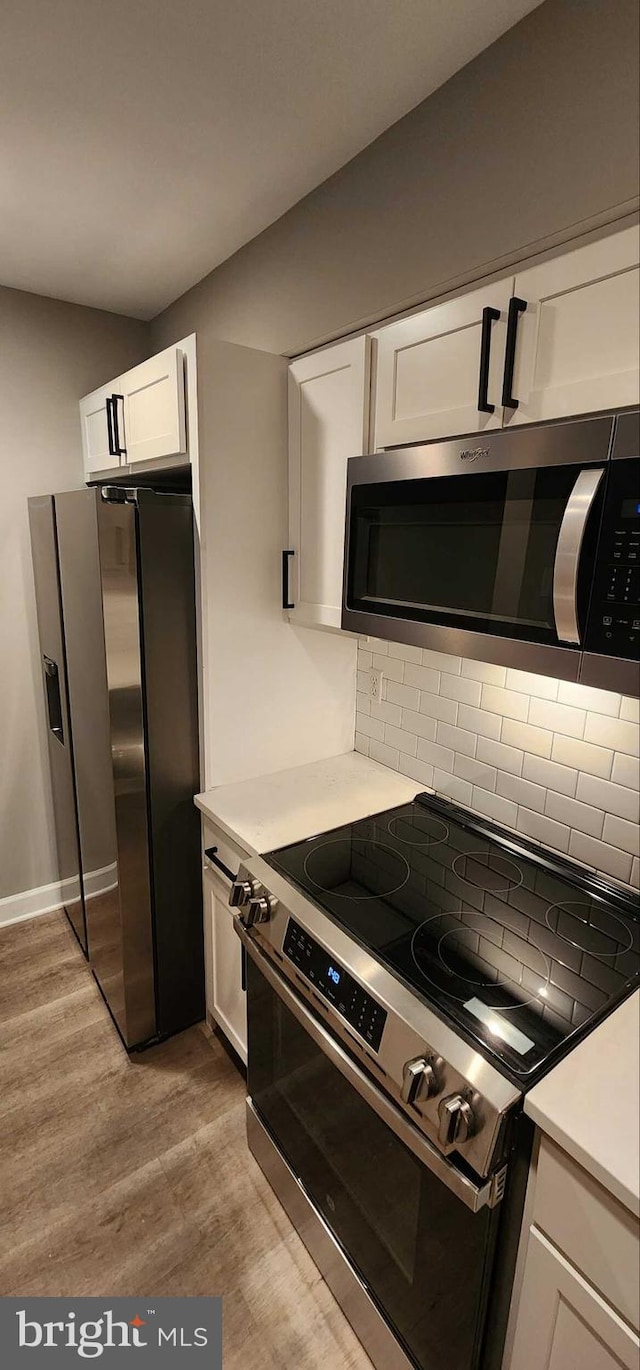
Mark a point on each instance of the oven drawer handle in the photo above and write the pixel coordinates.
(567, 560)
(473, 1196)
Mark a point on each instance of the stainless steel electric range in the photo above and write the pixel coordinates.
(409, 977)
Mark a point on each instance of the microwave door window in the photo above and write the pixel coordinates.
(473, 551)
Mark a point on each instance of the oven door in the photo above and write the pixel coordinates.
(398, 1210)
(445, 552)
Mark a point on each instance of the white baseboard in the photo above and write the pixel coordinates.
(16, 908)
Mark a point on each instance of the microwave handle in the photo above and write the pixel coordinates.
(472, 1195)
(567, 562)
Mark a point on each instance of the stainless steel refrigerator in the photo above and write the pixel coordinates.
(115, 596)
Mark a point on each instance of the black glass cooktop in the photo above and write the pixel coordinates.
(512, 944)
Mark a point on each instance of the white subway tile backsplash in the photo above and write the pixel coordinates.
(407, 697)
(619, 833)
(418, 770)
(496, 754)
(371, 727)
(609, 797)
(496, 807)
(479, 721)
(397, 737)
(458, 687)
(551, 774)
(600, 855)
(630, 709)
(544, 829)
(582, 817)
(436, 707)
(559, 718)
(422, 676)
(529, 738)
(419, 724)
(542, 686)
(482, 670)
(460, 790)
(387, 756)
(386, 712)
(551, 759)
(477, 772)
(584, 697)
(391, 668)
(626, 770)
(405, 652)
(440, 661)
(458, 738)
(442, 757)
(612, 732)
(505, 702)
(583, 756)
(521, 791)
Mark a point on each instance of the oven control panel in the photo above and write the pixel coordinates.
(359, 1009)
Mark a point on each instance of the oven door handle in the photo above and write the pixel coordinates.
(567, 561)
(473, 1196)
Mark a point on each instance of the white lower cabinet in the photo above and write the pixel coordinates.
(226, 998)
(579, 1281)
(563, 1323)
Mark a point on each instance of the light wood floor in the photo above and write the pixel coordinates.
(132, 1175)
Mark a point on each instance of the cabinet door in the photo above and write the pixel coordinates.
(154, 408)
(226, 998)
(578, 339)
(428, 369)
(563, 1322)
(328, 422)
(96, 452)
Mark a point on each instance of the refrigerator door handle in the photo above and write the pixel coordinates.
(54, 703)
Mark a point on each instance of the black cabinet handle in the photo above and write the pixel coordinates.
(113, 451)
(54, 702)
(210, 854)
(489, 316)
(243, 970)
(118, 450)
(286, 602)
(516, 308)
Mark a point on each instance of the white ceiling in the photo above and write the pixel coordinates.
(143, 141)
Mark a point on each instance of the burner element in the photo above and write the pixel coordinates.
(374, 869)
(461, 953)
(418, 829)
(571, 920)
(488, 871)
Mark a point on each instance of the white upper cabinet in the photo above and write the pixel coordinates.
(328, 422)
(138, 417)
(154, 411)
(99, 447)
(577, 342)
(439, 373)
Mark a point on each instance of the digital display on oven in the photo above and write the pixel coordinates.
(359, 1009)
(630, 508)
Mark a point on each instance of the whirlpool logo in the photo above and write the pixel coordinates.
(170, 1332)
(472, 453)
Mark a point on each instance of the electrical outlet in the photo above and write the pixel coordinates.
(375, 685)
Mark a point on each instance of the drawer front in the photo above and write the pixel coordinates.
(221, 856)
(597, 1234)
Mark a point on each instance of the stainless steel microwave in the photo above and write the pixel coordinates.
(519, 547)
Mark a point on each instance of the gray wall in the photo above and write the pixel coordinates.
(533, 142)
(52, 353)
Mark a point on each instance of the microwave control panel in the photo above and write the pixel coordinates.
(614, 620)
(360, 1010)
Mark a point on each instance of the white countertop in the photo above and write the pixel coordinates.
(590, 1103)
(288, 806)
